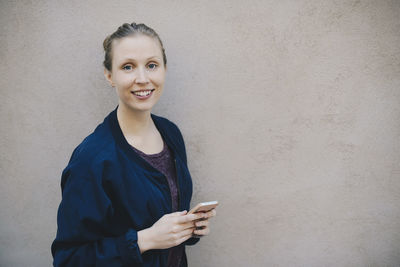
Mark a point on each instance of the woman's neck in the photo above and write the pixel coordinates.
(134, 124)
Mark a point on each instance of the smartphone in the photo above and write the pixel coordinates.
(204, 206)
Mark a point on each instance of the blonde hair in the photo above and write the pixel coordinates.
(125, 30)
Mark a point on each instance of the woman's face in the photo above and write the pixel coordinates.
(138, 72)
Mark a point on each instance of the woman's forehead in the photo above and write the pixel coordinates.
(136, 47)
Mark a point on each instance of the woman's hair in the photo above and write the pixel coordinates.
(125, 30)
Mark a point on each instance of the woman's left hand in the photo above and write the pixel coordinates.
(204, 223)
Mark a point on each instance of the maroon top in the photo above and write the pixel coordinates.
(165, 163)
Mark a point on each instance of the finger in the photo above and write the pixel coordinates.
(178, 229)
(174, 214)
(186, 232)
(211, 213)
(202, 223)
(204, 231)
(182, 227)
(187, 225)
(214, 213)
(178, 213)
(183, 239)
(190, 217)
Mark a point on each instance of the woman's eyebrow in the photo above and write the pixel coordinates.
(132, 59)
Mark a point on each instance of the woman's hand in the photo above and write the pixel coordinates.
(169, 231)
(204, 223)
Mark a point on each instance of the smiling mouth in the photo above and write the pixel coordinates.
(144, 92)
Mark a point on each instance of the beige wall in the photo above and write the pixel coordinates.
(290, 112)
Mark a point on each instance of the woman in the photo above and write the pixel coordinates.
(127, 188)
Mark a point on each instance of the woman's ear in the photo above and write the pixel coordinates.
(108, 76)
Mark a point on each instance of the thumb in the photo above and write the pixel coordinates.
(183, 212)
(179, 213)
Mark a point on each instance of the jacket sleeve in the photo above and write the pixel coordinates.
(83, 220)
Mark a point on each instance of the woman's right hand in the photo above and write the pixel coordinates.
(169, 231)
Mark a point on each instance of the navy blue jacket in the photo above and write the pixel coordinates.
(109, 192)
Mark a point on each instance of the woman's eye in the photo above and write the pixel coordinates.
(152, 66)
(127, 67)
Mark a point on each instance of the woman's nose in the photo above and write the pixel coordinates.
(141, 76)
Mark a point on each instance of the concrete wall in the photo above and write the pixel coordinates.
(290, 112)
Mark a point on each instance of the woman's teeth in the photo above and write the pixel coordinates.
(143, 93)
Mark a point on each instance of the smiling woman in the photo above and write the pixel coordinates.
(139, 73)
(126, 189)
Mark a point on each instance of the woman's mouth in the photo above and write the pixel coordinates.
(143, 94)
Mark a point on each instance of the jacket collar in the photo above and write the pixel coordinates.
(123, 143)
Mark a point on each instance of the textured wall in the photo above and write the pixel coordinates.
(290, 112)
